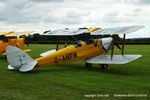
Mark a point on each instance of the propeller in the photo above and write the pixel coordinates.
(27, 43)
(117, 45)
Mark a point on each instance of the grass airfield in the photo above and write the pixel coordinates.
(72, 81)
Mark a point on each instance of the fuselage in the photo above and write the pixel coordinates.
(82, 51)
(17, 42)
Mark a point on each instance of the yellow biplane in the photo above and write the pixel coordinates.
(92, 52)
(12, 39)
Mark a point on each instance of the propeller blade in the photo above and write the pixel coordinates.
(117, 45)
(27, 43)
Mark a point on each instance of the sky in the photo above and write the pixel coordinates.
(43, 15)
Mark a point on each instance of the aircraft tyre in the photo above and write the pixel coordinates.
(104, 66)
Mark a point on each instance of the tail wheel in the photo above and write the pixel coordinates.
(104, 66)
(88, 65)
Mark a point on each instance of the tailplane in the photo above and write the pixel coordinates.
(19, 60)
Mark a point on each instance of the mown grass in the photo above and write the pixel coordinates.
(71, 81)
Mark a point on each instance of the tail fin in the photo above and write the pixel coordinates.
(19, 60)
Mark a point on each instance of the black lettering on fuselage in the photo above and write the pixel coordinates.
(75, 55)
(66, 57)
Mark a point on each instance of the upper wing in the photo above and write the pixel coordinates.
(18, 33)
(117, 59)
(6, 33)
(117, 30)
(65, 32)
(92, 29)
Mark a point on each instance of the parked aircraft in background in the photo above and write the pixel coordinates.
(12, 39)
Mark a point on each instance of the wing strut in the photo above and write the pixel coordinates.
(123, 42)
(112, 50)
(66, 40)
(57, 43)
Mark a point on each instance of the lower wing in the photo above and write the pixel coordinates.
(117, 59)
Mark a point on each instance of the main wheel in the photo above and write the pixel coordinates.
(104, 66)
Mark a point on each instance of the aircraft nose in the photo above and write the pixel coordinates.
(106, 43)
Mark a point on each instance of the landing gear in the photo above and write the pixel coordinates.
(88, 65)
(104, 66)
(5, 57)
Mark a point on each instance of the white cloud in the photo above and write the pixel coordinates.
(52, 14)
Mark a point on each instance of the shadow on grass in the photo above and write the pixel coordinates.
(62, 68)
(118, 70)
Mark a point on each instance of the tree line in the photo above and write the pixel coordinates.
(42, 39)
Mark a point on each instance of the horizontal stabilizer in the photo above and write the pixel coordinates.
(117, 59)
(26, 50)
(10, 67)
(47, 52)
(4, 53)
